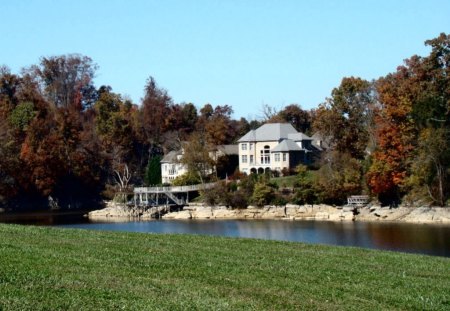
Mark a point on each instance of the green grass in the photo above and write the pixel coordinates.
(285, 181)
(43, 268)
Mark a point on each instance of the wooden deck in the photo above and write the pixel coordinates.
(176, 195)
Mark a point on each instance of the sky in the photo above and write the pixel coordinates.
(242, 53)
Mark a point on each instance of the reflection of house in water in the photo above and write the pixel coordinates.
(275, 146)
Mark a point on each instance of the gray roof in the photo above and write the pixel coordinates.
(228, 149)
(299, 137)
(317, 137)
(269, 132)
(171, 157)
(286, 145)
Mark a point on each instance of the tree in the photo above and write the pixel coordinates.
(262, 194)
(339, 177)
(155, 114)
(216, 124)
(414, 102)
(345, 117)
(430, 167)
(197, 156)
(306, 193)
(153, 171)
(295, 115)
(67, 80)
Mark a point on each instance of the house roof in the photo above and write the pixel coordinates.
(269, 132)
(299, 137)
(228, 149)
(171, 157)
(319, 142)
(286, 145)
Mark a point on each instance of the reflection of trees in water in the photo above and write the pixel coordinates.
(410, 237)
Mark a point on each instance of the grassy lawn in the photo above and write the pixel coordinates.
(44, 268)
(285, 181)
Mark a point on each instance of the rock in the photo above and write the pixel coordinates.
(202, 213)
(322, 216)
(348, 209)
(224, 214)
(178, 215)
(374, 208)
(347, 216)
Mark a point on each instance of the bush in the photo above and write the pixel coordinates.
(186, 179)
(217, 195)
(262, 194)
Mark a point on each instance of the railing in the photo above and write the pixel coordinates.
(358, 200)
(173, 188)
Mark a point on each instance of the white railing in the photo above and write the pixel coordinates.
(358, 200)
(173, 188)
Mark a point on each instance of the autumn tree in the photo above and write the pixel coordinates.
(67, 80)
(345, 117)
(216, 124)
(295, 115)
(414, 111)
(155, 115)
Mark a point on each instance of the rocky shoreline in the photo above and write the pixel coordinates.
(438, 215)
(318, 212)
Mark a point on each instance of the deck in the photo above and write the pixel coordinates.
(173, 195)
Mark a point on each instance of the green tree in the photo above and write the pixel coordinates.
(262, 194)
(197, 156)
(430, 170)
(339, 177)
(346, 117)
(22, 115)
(153, 171)
(305, 193)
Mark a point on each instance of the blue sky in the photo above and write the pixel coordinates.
(244, 53)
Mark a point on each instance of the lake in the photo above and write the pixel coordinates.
(413, 238)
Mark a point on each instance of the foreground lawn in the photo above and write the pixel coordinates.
(65, 269)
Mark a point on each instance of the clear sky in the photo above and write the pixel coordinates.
(244, 53)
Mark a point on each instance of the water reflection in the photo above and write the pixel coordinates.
(415, 238)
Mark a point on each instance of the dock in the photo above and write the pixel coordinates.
(167, 196)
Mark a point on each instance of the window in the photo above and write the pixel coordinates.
(244, 159)
(250, 146)
(251, 159)
(284, 157)
(244, 147)
(277, 157)
(265, 155)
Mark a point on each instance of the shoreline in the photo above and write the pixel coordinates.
(291, 212)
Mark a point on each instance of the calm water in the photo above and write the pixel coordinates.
(413, 238)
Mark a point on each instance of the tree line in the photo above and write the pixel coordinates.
(64, 139)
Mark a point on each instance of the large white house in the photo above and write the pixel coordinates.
(274, 146)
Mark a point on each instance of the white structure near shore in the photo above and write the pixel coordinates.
(171, 166)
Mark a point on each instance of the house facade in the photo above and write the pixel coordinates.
(171, 166)
(275, 147)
